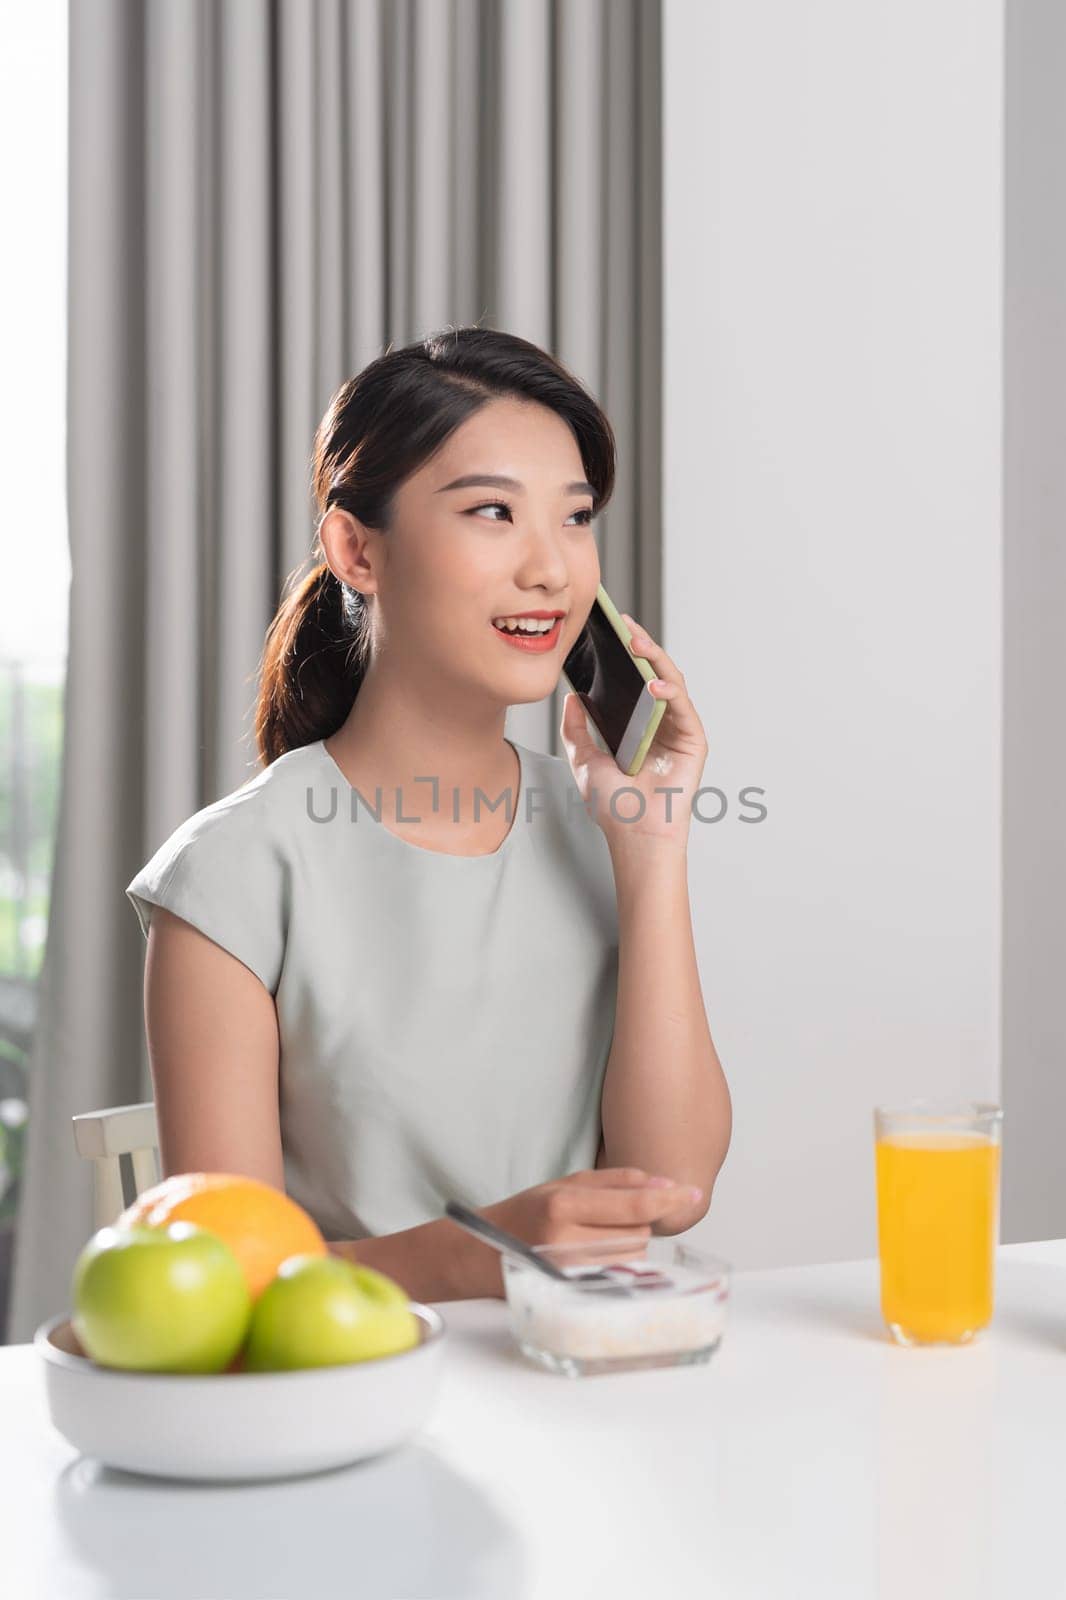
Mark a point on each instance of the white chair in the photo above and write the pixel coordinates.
(102, 1137)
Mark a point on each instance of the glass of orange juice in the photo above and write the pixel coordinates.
(937, 1218)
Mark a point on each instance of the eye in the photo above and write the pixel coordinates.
(585, 514)
(489, 505)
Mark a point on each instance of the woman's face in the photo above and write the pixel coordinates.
(456, 557)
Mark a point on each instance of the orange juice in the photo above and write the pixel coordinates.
(937, 1222)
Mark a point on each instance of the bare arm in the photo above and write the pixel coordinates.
(665, 1102)
(433, 1261)
(214, 1049)
(213, 1045)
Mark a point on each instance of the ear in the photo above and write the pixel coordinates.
(348, 547)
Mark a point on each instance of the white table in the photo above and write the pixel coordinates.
(812, 1457)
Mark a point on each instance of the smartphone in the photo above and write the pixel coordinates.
(612, 685)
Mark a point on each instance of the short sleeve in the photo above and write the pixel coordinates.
(222, 872)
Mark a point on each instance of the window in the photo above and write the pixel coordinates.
(35, 572)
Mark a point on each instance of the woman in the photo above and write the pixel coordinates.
(411, 959)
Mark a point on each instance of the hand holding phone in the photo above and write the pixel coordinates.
(612, 685)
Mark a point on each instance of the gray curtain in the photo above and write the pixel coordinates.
(264, 194)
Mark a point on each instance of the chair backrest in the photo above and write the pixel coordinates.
(102, 1137)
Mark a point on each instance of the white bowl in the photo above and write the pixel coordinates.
(239, 1424)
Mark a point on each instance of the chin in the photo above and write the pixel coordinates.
(530, 686)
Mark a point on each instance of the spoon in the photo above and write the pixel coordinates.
(507, 1244)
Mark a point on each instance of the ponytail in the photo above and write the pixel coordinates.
(314, 659)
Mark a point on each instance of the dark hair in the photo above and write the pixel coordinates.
(380, 427)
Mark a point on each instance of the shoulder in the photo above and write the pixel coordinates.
(261, 811)
(227, 868)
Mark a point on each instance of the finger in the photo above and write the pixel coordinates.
(605, 1245)
(670, 684)
(663, 689)
(619, 1208)
(683, 717)
(644, 645)
(610, 1177)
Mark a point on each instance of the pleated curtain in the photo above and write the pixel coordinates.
(264, 195)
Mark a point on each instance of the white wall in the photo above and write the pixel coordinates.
(832, 271)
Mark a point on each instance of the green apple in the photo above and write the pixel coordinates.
(171, 1299)
(320, 1311)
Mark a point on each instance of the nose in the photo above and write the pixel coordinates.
(543, 564)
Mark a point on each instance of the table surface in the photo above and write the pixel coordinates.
(811, 1457)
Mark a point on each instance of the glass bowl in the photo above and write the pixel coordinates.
(581, 1328)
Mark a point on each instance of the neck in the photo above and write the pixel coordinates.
(400, 731)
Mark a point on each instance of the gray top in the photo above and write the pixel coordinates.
(445, 1020)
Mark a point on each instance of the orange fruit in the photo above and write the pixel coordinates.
(261, 1225)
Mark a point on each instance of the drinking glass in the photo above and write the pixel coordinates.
(937, 1217)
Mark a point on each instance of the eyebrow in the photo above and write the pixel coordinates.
(494, 480)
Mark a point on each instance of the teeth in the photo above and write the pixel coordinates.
(525, 624)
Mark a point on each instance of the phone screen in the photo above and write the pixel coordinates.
(604, 675)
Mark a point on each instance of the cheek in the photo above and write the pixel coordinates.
(438, 580)
(463, 566)
(585, 572)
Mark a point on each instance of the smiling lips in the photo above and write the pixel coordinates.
(538, 643)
